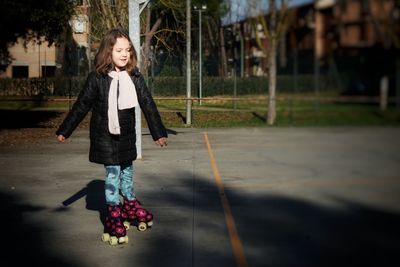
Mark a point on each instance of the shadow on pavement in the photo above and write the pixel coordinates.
(23, 241)
(275, 230)
(278, 231)
(13, 119)
(94, 197)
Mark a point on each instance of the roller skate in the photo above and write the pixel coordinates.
(114, 230)
(134, 213)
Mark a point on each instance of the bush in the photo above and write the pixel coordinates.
(163, 86)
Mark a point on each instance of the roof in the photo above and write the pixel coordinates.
(240, 10)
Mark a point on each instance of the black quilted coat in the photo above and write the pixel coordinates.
(106, 148)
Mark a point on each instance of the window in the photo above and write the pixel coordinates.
(20, 71)
(48, 71)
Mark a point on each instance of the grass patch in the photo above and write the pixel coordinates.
(249, 111)
(289, 113)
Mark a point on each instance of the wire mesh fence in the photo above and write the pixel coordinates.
(167, 86)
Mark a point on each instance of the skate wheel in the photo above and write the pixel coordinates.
(113, 240)
(142, 226)
(123, 239)
(105, 237)
(127, 225)
(150, 223)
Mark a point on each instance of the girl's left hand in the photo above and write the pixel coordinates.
(163, 141)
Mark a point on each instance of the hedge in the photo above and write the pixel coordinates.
(163, 86)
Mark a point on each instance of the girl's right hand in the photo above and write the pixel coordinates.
(163, 141)
(61, 138)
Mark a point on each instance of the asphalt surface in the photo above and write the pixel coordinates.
(220, 197)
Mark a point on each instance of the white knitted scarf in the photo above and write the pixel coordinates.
(122, 95)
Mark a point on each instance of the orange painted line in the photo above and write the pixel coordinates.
(236, 243)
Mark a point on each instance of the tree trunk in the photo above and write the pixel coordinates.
(223, 52)
(106, 11)
(149, 35)
(146, 46)
(246, 38)
(210, 34)
(272, 52)
(282, 51)
(272, 84)
(397, 81)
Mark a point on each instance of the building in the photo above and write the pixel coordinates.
(354, 42)
(37, 59)
(31, 60)
(358, 42)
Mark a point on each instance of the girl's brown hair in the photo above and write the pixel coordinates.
(103, 60)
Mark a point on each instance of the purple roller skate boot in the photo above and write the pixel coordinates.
(114, 230)
(134, 213)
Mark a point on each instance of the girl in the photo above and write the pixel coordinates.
(112, 92)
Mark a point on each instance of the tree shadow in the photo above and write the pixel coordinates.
(276, 230)
(306, 234)
(14, 119)
(180, 115)
(258, 116)
(23, 240)
(94, 197)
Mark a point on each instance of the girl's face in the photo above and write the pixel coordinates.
(121, 53)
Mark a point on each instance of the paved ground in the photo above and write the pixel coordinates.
(221, 197)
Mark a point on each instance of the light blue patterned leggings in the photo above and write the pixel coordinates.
(119, 177)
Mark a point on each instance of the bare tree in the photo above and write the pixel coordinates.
(214, 36)
(273, 24)
(107, 14)
(223, 52)
(169, 22)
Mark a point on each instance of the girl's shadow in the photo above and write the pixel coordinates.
(95, 198)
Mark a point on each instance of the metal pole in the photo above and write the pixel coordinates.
(188, 64)
(397, 80)
(384, 89)
(234, 87)
(77, 60)
(200, 62)
(241, 55)
(134, 34)
(318, 53)
(39, 60)
(45, 73)
(316, 83)
(295, 68)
